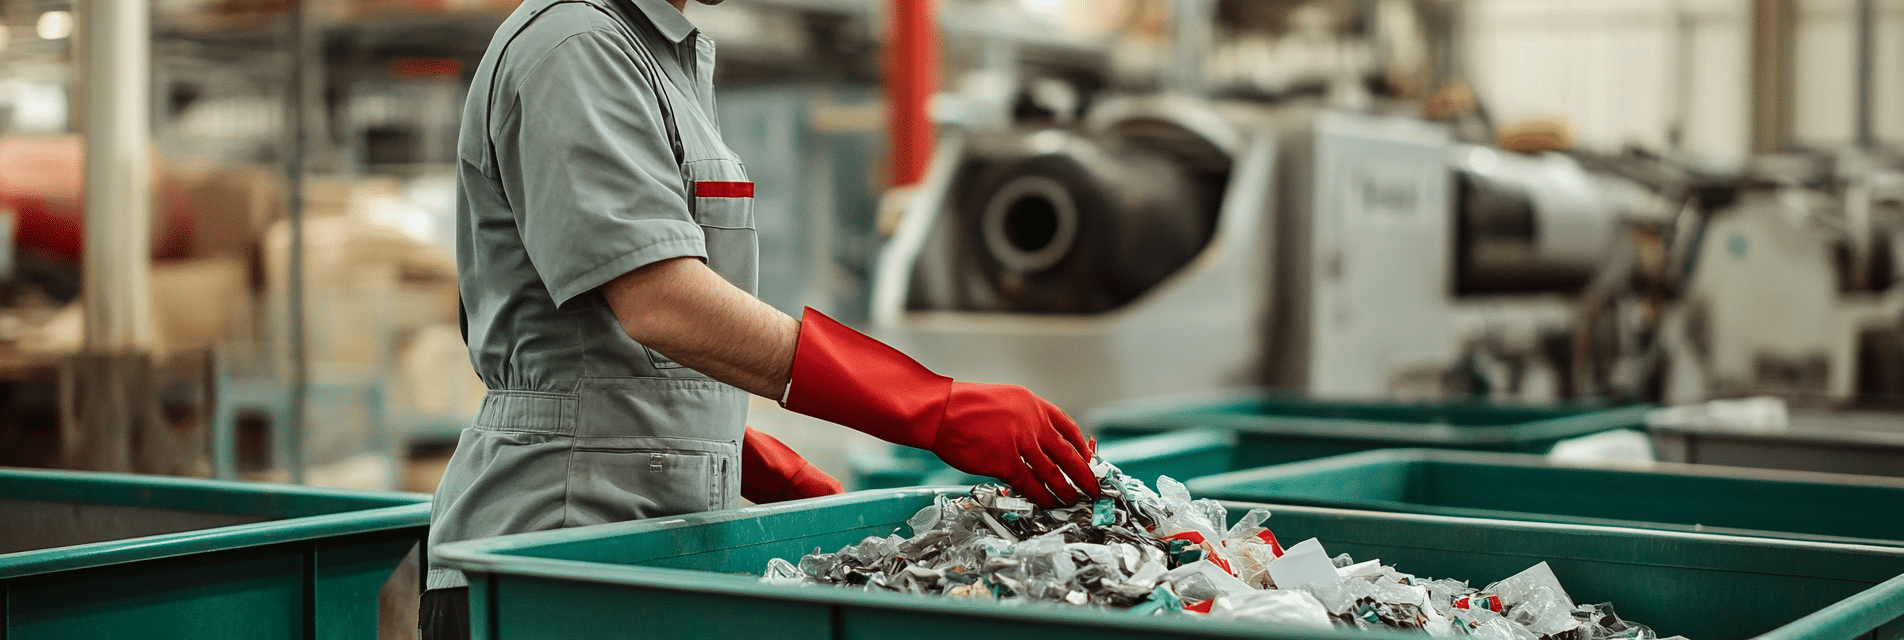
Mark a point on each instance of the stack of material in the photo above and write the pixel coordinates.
(1159, 552)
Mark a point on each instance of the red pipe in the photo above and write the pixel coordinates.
(912, 75)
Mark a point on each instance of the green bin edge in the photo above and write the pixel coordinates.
(353, 511)
(1179, 454)
(1245, 485)
(488, 562)
(1564, 421)
(1161, 417)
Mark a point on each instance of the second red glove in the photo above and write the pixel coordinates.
(770, 471)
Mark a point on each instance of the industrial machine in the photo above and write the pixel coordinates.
(1128, 256)
(1793, 290)
(1174, 245)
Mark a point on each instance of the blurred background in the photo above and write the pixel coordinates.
(227, 224)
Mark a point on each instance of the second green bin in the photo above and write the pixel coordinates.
(1248, 430)
(100, 555)
(1273, 428)
(1760, 502)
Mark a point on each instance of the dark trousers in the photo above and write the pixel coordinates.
(444, 614)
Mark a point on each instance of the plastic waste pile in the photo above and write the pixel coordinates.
(1158, 552)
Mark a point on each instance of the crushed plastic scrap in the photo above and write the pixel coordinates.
(1161, 553)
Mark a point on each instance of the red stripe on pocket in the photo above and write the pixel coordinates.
(708, 189)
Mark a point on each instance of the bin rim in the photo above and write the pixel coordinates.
(1171, 441)
(1222, 486)
(72, 478)
(111, 552)
(1848, 618)
(398, 510)
(481, 558)
(1192, 400)
(1164, 411)
(1216, 481)
(1805, 435)
(1117, 452)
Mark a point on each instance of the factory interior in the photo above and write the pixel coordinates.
(1615, 287)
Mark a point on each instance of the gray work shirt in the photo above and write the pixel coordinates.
(570, 176)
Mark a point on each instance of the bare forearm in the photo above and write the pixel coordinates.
(688, 313)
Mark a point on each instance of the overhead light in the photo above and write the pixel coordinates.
(55, 25)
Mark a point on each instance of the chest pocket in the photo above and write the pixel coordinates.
(724, 207)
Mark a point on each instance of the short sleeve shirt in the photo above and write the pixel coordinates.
(569, 178)
(588, 150)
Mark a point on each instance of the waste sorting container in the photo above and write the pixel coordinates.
(1825, 507)
(1862, 442)
(1179, 454)
(1274, 427)
(697, 576)
(89, 555)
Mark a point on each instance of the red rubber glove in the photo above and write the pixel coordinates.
(770, 471)
(1001, 431)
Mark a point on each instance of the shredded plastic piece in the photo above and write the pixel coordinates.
(1163, 553)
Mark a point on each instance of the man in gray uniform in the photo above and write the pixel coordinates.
(606, 255)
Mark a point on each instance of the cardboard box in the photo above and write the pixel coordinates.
(197, 303)
(231, 206)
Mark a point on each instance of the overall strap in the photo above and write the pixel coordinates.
(649, 70)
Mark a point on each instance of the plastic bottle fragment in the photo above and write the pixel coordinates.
(780, 571)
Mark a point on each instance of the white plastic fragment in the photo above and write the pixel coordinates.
(1203, 580)
(1369, 569)
(1274, 606)
(1519, 586)
(1305, 565)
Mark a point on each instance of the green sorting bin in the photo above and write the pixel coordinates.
(99, 555)
(1178, 454)
(1274, 428)
(1823, 507)
(695, 577)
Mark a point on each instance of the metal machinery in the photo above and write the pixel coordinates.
(1129, 256)
(1416, 267)
(1173, 245)
(1795, 291)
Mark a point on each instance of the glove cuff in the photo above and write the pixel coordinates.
(848, 378)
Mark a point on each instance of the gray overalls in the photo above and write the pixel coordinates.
(589, 148)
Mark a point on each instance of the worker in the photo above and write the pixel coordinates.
(606, 258)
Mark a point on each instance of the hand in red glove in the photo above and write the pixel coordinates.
(770, 471)
(1001, 431)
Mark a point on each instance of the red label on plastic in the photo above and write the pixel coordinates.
(1490, 602)
(1201, 607)
(710, 189)
(1274, 546)
(1194, 537)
